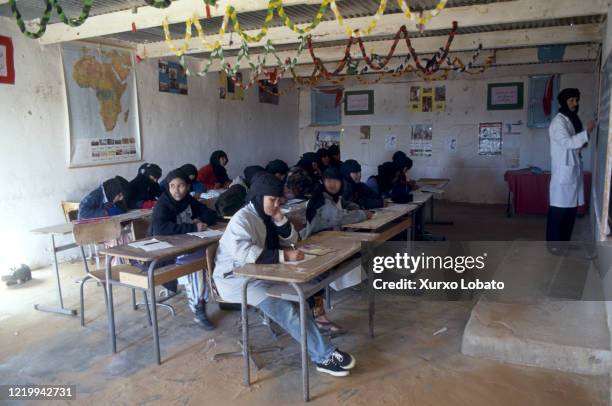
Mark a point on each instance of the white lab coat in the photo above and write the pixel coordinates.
(566, 185)
(242, 242)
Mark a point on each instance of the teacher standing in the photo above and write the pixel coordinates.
(567, 138)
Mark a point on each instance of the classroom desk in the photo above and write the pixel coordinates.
(182, 244)
(434, 186)
(345, 245)
(66, 229)
(384, 222)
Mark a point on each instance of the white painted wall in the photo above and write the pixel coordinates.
(474, 178)
(175, 129)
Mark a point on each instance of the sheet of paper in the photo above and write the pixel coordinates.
(207, 233)
(430, 189)
(151, 245)
(317, 250)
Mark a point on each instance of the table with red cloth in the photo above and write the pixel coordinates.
(528, 192)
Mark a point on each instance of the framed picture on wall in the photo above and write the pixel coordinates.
(505, 96)
(7, 68)
(359, 102)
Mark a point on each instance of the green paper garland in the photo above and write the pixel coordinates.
(74, 22)
(43, 20)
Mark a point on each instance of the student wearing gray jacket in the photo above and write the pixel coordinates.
(260, 233)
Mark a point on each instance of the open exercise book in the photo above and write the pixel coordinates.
(207, 233)
(151, 245)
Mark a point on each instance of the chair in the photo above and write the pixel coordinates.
(97, 233)
(211, 252)
(71, 210)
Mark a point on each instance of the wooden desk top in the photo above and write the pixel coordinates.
(420, 198)
(346, 244)
(437, 182)
(66, 228)
(182, 244)
(383, 216)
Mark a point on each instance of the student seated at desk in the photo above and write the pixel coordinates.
(145, 187)
(109, 199)
(389, 183)
(278, 168)
(234, 198)
(334, 156)
(356, 191)
(176, 212)
(303, 177)
(214, 175)
(192, 172)
(327, 210)
(404, 164)
(323, 159)
(259, 233)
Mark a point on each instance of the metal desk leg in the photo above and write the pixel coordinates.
(370, 299)
(110, 310)
(52, 309)
(245, 334)
(304, 341)
(431, 216)
(154, 311)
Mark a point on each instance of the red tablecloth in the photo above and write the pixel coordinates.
(530, 191)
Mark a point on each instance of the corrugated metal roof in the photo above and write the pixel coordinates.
(299, 14)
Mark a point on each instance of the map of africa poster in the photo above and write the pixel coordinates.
(102, 105)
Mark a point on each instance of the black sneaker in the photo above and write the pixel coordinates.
(344, 359)
(332, 367)
(201, 319)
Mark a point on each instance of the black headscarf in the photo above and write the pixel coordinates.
(349, 166)
(307, 160)
(250, 171)
(563, 97)
(322, 153)
(115, 186)
(218, 169)
(318, 196)
(401, 161)
(189, 170)
(333, 151)
(266, 184)
(180, 205)
(386, 173)
(147, 170)
(277, 166)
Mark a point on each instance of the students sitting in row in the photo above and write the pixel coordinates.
(145, 187)
(109, 199)
(260, 233)
(327, 210)
(356, 191)
(234, 198)
(334, 156)
(177, 212)
(303, 177)
(278, 168)
(214, 175)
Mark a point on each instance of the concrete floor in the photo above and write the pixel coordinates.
(404, 364)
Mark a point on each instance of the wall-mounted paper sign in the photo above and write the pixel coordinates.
(505, 96)
(7, 68)
(359, 102)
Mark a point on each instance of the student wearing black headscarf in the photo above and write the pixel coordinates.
(145, 187)
(278, 168)
(260, 233)
(327, 209)
(177, 212)
(109, 199)
(567, 138)
(214, 175)
(334, 156)
(382, 183)
(323, 159)
(234, 198)
(303, 177)
(356, 191)
(192, 172)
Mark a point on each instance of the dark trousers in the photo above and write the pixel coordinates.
(560, 223)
